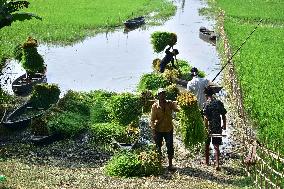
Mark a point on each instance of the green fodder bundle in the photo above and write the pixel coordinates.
(134, 164)
(190, 120)
(103, 133)
(171, 75)
(160, 40)
(124, 108)
(31, 60)
(147, 99)
(152, 81)
(172, 92)
(43, 95)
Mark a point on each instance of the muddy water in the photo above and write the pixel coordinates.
(116, 60)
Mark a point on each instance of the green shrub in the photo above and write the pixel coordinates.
(160, 40)
(134, 164)
(125, 108)
(74, 102)
(43, 95)
(105, 132)
(32, 61)
(152, 81)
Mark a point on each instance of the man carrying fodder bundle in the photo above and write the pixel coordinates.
(213, 110)
(169, 57)
(162, 125)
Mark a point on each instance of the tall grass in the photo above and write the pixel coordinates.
(259, 63)
(67, 21)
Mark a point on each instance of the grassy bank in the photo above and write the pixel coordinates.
(259, 63)
(66, 22)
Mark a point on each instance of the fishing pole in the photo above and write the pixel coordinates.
(236, 51)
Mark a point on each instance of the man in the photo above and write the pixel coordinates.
(168, 58)
(197, 86)
(213, 110)
(162, 125)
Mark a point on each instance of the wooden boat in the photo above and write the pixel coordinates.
(23, 87)
(207, 35)
(21, 117)
(135, 22)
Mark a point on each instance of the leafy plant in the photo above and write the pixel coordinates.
(190, 120)
(43, 95)
(152, 81)
(125, 108)
(134, 164)
(160, 40)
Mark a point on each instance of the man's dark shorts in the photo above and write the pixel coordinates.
(215, 140)
(168, 136)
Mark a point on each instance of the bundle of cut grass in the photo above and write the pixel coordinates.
(191, 124)
(160, 40)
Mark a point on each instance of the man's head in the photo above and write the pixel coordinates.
(161, 94)
(208, 91)
(194, 71)
(175, 51)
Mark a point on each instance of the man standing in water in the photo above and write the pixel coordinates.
(168, 58)
(197, 86)
(162, 125)
(213, 110)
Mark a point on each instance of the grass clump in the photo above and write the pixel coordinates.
(134, 164)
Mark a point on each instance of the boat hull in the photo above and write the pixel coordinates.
(134, 23)
(22, 87)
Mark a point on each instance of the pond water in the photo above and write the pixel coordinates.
(116, 60)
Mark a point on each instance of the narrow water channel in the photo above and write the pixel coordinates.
(115, 61)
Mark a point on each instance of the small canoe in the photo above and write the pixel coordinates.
(207, 35)
(21, 117)
(23, 87)
(135, 22)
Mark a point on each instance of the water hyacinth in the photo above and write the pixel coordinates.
(190, 120)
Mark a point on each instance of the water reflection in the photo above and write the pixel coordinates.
(116, 60)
